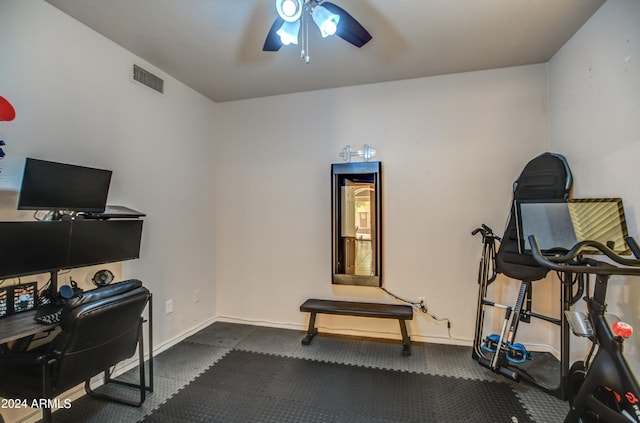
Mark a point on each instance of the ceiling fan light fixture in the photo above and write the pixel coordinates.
(288, 32)
(326, 21)
(328, 17)
(289, 10)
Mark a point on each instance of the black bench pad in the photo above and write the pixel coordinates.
(354, 308)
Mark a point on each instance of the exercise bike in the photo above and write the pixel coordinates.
(602, 388)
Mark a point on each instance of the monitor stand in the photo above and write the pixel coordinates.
(53, 287)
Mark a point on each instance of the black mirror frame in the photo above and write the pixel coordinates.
(362, 168)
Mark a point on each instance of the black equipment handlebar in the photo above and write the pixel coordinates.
(486, 232)
(567, 263)
(633, 246)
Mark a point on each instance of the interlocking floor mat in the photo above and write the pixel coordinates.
(254, 387)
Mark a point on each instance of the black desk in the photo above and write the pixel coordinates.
(21, 325)
(35, 247)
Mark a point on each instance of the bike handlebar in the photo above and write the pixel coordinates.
(633, 246)
(561, 262)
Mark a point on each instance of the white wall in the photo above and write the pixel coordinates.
(238, 194)
(451, 147)
(594, 101)
(75, 103)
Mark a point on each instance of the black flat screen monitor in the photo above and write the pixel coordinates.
(63, 187)
(98, 241)
(562, 224)
(29, 248)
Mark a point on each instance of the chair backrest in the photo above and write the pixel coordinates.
(99, 329)
(546, 177)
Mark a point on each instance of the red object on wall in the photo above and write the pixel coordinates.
(7, 112)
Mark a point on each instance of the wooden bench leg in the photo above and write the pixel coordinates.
(312, 331)
(406, 342)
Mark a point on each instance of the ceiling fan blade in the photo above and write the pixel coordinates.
(273, 43)
(348, 28)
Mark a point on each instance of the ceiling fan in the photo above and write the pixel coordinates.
(293, 20)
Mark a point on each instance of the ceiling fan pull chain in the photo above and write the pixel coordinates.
(302, 37)
(305, 34)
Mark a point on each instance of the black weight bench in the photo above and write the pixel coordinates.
(352, 308)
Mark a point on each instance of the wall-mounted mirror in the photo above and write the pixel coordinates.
(356, 223)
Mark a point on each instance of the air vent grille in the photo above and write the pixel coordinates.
(147, 78)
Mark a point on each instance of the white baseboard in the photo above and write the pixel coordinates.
(348, 332)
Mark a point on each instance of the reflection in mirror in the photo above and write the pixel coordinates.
(356, 223)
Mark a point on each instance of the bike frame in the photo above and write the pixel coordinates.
(609, 368)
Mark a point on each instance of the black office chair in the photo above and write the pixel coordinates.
(99, 329)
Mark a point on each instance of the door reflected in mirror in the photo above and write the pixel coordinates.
(356, 223)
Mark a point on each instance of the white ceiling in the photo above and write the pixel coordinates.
(215, 46)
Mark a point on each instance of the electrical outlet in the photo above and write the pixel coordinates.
(168, 307)
(196, 296)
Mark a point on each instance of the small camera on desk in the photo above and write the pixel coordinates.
(67, 292)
